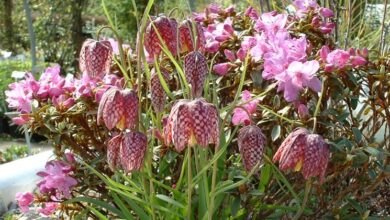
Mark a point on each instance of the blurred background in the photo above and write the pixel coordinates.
(37, 33)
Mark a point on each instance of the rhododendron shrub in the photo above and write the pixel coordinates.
(223, 114)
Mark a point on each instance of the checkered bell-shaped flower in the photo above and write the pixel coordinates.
(195, 68)
(157, 91)
(187, 37)
(118, 108)
(192, 122)
(251, 145)
(133, 150)
(167, 29)
(95, 58)
(302, 149)
(113, 150)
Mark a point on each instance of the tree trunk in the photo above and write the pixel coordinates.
(77, 29)
(9, 32)
(27, 10)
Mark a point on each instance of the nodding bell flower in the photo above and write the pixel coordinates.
(118, 108)
(251, 145)
(192, 122)
(167, 29)
(127, 151)
(95, 58)
(187, 36)
(195, 68)
(158, 94)
(302, 150)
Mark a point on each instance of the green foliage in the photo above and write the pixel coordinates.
(13, 152)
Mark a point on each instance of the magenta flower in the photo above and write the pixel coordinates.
(326, 12)
(252, 13)
(303, 150)
(298, 76)
(271, 22)
(338, 58)
(221, 68)
(24, 200)
(48, 208)
(56, 178)
(229, 55)
(192, 122)
(303, 111)
(63, 102)
(240, 115)
(19, 97)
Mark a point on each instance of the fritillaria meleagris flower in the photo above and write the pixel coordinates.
(187, 37)
(304, 150)
(157, 91)
(118, 108)
(195, 68)
(127, 151)
(95, 58)
(251, 145)
(167, 29)
(192, 122)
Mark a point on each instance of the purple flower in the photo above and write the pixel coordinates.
(326, 12)
(221, 68)
(229, 55)
(63, 102)
(303, 111)
(338, 58)
(239, 114)
(24, 200)
(252, 13)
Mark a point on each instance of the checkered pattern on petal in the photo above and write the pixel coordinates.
(113, 109)
(213, 118)
(292, 143)
(182, 126)
(316, 157)
(186, 42)
(200, 121)
(195, 67)
(130, 108)
(95, 58)
(158, 94)
(251, 145)
(167, 30)
(102, 104)
(113, 148)
(133, 150)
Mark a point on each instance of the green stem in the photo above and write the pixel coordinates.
(318, 105)
(213, 182)
(305, 198)
(189, 173)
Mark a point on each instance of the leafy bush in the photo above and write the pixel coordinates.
(214, 117)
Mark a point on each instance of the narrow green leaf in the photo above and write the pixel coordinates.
(275, 134)
(357, 134)
(170, 200)
(97, 213)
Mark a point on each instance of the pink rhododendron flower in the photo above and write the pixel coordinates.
(24, 200)
(229, 55)
(221, 68)
(326, 12)
(63, 102)
(18, 98)
(298, 76)
(21, 119)
(338, 58)
(48, 208)
(115, 46)
(303, 111)
(271, 22)
(252, 13)
(56, 178)
(239, 114)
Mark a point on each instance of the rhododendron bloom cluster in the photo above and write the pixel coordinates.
(24, 200)
(243, 113)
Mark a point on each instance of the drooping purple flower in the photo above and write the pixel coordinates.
(192, 122)
(304, 150)
(127, 151)
(158, 94)
(251, 142)
(195, 68)
(95, 58)
(118, 108)
(187, 36)
(167, 29)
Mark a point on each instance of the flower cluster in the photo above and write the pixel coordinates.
(56, 185)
